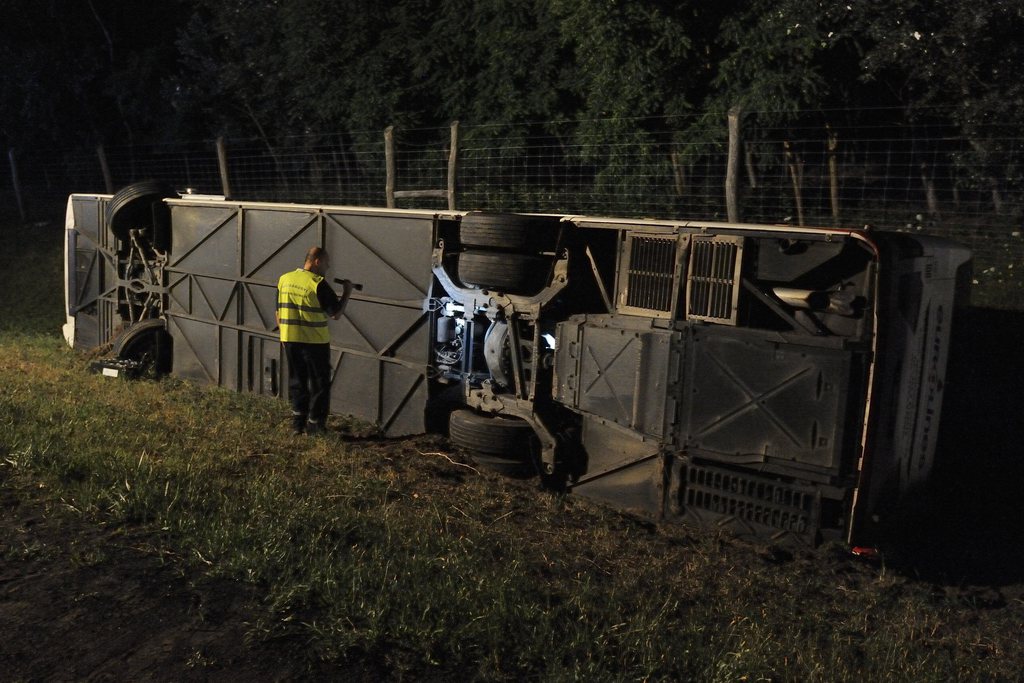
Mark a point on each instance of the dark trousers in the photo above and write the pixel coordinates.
(309, 381)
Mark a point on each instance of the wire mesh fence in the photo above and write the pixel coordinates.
(890, 174)
(928, 176)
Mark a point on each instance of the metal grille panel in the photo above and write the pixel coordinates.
(713, 279)
(651, 273)
(748, 499)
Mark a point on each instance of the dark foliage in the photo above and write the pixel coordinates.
(80, 73)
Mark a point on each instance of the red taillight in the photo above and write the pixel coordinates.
(866, 552)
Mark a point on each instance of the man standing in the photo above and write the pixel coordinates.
(304, 301)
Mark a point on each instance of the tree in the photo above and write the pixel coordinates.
(76, 73)
(958, 59)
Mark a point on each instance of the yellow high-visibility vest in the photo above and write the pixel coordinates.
(302, 318)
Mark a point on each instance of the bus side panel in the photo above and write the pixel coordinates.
(222, 279)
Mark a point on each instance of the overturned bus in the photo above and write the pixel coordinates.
(778, 381)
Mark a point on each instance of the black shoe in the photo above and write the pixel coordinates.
(298, 424)
(314, 428)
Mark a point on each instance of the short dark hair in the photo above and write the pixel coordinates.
(315, 253)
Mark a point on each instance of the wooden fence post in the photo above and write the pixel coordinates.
(391, 194)
(732, 201)
(929, 191)
(453, 154)
(16, 183)
(222, 164)
(108, 180)
(389, 166)
(748, 156)
(678, 172)
(796, 172)
(833, 172)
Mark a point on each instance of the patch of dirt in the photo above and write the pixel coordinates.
(79, 602)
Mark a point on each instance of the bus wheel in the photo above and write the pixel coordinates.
(508, 273)
(509, 231)
(140, 206)
(148, 344)
(505, 445)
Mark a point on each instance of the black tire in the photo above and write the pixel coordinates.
(147, 343)
(501, 444)
(505, 272)
(509, 231)
(508, 467)
(140, 206)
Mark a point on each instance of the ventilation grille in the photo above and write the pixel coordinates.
(712, 282)
(755, 501)
(651, 273)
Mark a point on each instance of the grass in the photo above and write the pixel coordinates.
(396, 558)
